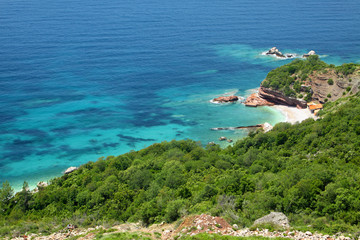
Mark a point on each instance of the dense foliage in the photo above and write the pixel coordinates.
(309, 171)
(289, 78)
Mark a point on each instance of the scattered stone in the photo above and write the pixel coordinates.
(277, 218)
(222, 138)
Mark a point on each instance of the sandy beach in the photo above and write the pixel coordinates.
(294, 114)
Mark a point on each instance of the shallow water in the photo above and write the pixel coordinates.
(80, 80)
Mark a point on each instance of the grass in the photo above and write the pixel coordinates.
(122, 236)
(204, 236)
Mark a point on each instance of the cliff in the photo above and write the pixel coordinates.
(331, 85)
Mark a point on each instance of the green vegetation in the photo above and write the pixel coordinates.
(309, 171)
(330, 81)
(122, 236)
(346, 68)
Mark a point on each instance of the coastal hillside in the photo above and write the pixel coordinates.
(310, 79)
(309, 171)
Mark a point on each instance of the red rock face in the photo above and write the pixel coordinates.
(269, 97)
(278, 98)
(254, 100)
(226, 99)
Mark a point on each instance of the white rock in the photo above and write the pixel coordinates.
(70, 169)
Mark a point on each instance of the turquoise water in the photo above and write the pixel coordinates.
(81, 79)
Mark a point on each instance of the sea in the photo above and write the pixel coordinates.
(81, 80)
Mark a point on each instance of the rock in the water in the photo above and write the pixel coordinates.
(275, 51)
(312, 52)
(70, 170)
(277, 218)
(226, 99)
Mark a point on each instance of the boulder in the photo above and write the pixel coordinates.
(276, 52)
(226, 99)
(267, 127)
(277, 218)
(70, 170)
(312, 52)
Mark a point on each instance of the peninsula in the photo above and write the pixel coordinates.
(305, 80)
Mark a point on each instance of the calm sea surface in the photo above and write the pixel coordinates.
(85, 79)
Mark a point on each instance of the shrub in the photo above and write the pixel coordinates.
(329, 95)
(330, 81)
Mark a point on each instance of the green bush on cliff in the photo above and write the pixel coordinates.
(347, 68)
(309, 171)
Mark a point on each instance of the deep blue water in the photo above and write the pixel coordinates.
(85, 79)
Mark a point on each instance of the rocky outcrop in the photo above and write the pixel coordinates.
(312, 52)
(70, 170)
(276, 52)
(269, 97)
(226, 99)
(277, 97)
(254, 100)
(277, 218)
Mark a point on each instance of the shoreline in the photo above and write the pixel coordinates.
(292, 114)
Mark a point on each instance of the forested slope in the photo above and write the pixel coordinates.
(309, 171)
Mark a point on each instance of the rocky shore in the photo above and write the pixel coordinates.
(269, 97)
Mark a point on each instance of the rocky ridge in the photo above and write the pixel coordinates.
(269, 97)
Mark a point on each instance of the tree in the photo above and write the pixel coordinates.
(24, 197)
(6, 193)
